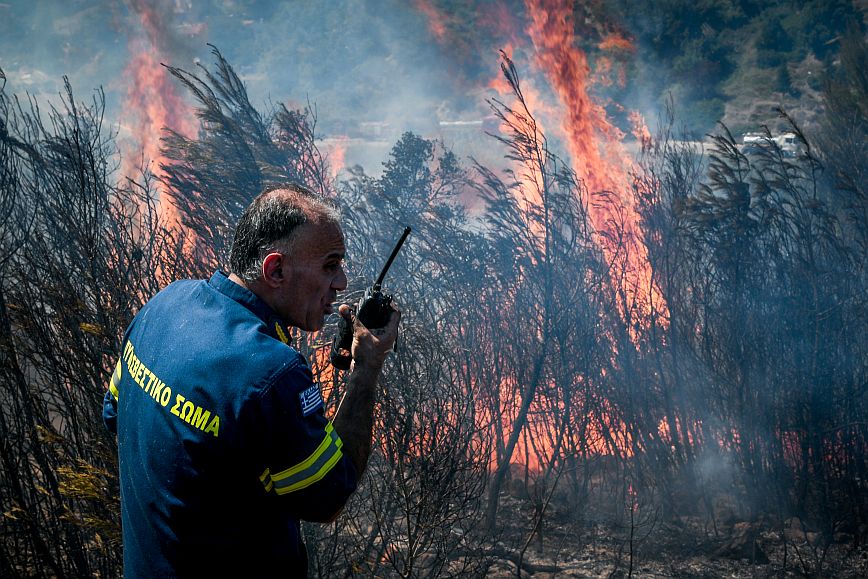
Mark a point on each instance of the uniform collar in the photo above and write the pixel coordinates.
(221, 282)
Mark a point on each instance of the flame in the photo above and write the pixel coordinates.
(618, 50)
(324, 372)
(598, 156)
(436, 19)
(152, 103)
(632, 499)
(594, 143)
(337, 153)
(528, 176)
(639, 128)
(615, 42)
(592, 140)
(594, 431)
(603, 72)
(691, 430)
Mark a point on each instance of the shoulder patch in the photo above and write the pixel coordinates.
(311, 399)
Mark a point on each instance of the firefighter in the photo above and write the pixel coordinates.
(223, 445)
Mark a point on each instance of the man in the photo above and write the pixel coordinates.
(222, 441)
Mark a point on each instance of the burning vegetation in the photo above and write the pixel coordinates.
(620, 366)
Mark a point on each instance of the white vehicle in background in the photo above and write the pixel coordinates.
(788, 143)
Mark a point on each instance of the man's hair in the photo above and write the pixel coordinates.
(270, 223)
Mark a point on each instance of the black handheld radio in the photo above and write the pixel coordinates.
(373, 311)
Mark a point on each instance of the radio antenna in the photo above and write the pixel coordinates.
(395, 251)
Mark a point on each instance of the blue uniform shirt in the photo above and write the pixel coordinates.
(222, 442)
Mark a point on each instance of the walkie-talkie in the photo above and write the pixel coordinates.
(373, 311)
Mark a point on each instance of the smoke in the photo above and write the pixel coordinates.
(371, 69)
(359, 62)
(42, 41)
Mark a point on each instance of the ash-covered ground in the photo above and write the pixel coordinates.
(596, 542)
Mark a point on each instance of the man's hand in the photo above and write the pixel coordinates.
(370, 347)
(354, 420)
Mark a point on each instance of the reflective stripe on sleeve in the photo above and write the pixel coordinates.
(116, 380)
(265, 479)
(306, 473)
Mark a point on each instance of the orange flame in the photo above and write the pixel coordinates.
(603, 73)
(594, 143)
(639, 128)
(152, 103)
(337, 153)
(436, 19)
(528, 175)
(599, 158)
(616, 42)
(592, 140)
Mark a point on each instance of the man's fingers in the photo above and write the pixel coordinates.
(394, 318)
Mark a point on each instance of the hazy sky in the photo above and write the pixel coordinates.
(368, 61)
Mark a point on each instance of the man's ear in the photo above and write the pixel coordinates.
(272, 269)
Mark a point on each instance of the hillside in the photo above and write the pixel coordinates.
(737, 59)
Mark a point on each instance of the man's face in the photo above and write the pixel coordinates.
(314, 274)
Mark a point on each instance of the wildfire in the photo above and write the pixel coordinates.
(592, 435)
(337, 154)
(594, 143)
(616, 42)
(436, 19)
(598, 156)
(528, 176)
(603, 73)
(151, 103)
(639, 128)
(324, 371)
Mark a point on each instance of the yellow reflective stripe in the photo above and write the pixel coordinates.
(311, 470)
(313, 478)
(116, 380)
(267, 483)
(323, 446)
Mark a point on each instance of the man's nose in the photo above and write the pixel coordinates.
(340, 281)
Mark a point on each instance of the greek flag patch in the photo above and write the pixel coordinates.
(311, 399)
